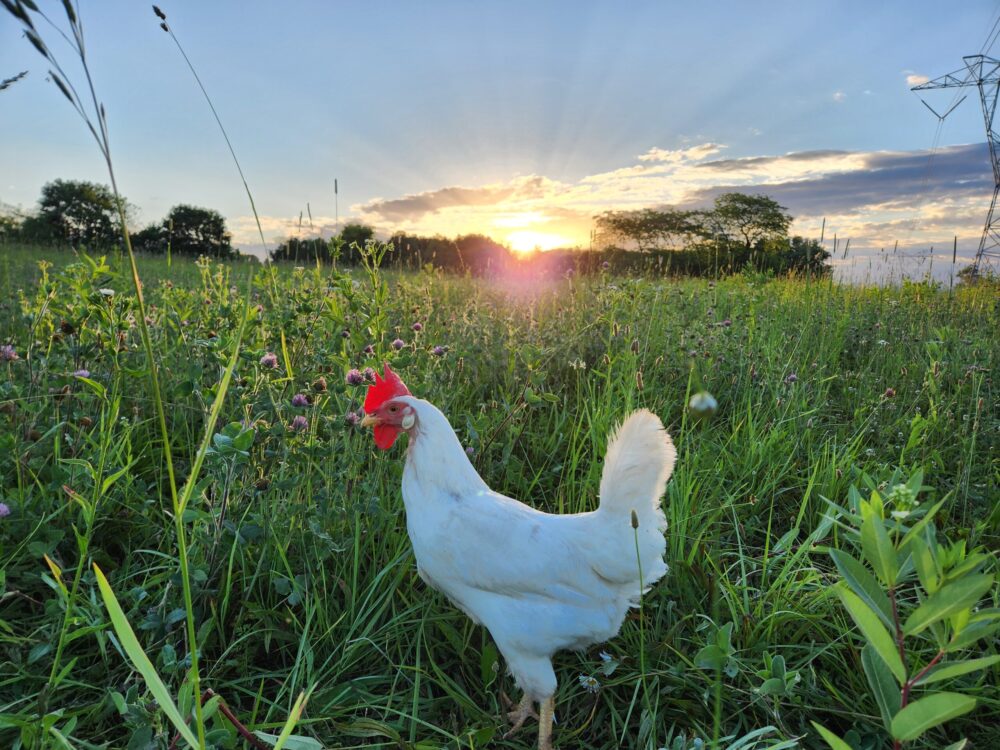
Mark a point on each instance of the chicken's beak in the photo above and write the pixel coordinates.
(370, 420)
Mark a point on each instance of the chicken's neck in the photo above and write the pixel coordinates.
(435, 459)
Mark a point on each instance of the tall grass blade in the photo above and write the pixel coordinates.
(140, 661)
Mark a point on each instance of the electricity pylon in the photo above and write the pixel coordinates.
(983, 73)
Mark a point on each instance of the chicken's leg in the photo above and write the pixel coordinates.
(546, 709)
(525, 710)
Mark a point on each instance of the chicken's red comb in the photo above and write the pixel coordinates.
(387, 386)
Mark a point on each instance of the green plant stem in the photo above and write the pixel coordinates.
(84, 547)
(898, 627)
(178, 512)
(909, 684)
(154, 379)
(642, 620)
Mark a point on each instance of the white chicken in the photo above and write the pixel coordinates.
(539, 582)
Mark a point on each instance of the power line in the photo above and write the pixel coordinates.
(983, 73)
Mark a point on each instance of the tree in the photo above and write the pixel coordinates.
(359, 233)
(649, 228)
(750, 218)
(75, 212)
(190, 230)
(198, 231)
(301, 250)
(11, 220)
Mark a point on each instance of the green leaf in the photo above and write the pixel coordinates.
(772, 686)
(947, 671)
(973, 561)
(488, 663)
(293, 718)
(110, 480)
(883, 687)
(929, 712)
(140, 661)
(977, 629)
(920, 525)
(369, 728)
(710, 657)
(925, 564)
(778, 667)
(954, 597)
(863, 584)
(93, 385)
(869, 624)
(724, 638)
(244, 440)
(292, 742)
(119, 700)
(878, 549)
(832, 740)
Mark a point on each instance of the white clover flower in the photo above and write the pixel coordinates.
(589, 683)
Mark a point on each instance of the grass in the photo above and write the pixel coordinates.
(302, 575)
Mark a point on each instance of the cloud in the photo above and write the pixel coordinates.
(874, 197)
(884, 197)
(694, 153)
(913, 79)
(864, 180)
(413, 206)
(839, 96)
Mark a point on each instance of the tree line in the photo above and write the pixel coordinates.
(739, 232)
(78, 213)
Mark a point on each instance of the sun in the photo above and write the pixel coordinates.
(526, 241)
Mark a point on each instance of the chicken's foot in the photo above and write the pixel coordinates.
(524, 710)
(547, 709)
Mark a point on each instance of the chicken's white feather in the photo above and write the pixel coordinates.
(539, 582)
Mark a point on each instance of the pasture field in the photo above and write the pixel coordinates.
(299, 571)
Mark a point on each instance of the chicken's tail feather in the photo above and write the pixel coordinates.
(637, 466)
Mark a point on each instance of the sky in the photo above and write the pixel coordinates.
(521, 120)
